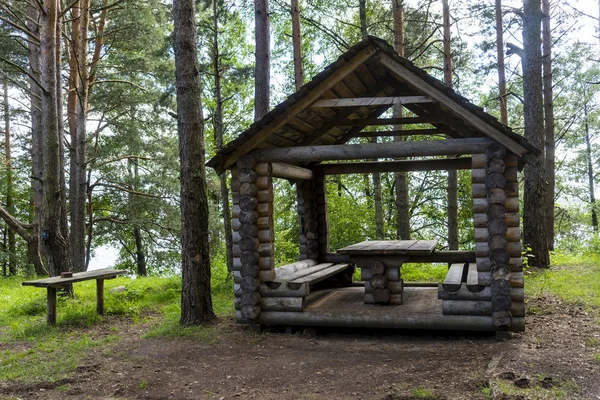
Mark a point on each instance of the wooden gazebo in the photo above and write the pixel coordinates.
(483, 289)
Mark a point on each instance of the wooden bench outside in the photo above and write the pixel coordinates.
(56, 282)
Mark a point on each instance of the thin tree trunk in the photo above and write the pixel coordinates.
(218, 133)
(140, 252)
(402, 179)
(590, 170)
(263, 55)
(32, 239)
(57, 247)
(501, 67)
(196, 302)
(548, 118)
(534, 217)
(452, 191)
(37, 159)
(297, 44)
(12, 244)
(77, 177)
(379, 228)
(362, 11)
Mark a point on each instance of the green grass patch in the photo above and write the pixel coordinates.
(424, 272)
(559, 390)
(575, 282)
(420, 393)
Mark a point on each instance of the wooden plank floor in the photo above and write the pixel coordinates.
(417, 301)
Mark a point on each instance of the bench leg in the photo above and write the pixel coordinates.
(51, 317)
(100, 296)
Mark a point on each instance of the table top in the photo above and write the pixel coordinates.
(57, 281)
(390, 247)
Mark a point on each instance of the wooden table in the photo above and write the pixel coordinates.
(380, 262)
(56, 282)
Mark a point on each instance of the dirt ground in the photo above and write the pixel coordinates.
(553, 358)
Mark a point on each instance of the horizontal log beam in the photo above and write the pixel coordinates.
(370, 101)
(448, 147)
(288, 171)
(396, 166)
(387, 121)
(405, 132)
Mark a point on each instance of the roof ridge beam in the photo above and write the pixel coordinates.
(369, 101)
(448, 147)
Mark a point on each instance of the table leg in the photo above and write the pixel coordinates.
(100, 296)
(51, 317)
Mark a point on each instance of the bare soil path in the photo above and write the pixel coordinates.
(554, 358)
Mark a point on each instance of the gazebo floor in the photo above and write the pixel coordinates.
(345, 307)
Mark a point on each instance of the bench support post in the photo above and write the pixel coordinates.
(51, 317)
(100, 296)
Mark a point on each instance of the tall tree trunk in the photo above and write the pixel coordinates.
(196, 301)
(377, 197)
(501, 67)
(57, 246)
(263, 55)
(218, 133)
(534, 217)
(297, 44)
(403, 215)
(37, 158)
(452, 190)
(590, 170)
(77, 177)
(12, 244)
(548, 118)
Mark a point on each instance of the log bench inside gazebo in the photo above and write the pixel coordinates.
(308, 137)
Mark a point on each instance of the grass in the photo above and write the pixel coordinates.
(562, 390)
(575, 280)
(40, 352)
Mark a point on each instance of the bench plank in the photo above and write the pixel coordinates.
(453, 278)
(291, 277)
(321, 275)
(57, 281)
(473, 284)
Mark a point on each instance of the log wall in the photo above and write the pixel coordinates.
(495, 192)
(253, 238)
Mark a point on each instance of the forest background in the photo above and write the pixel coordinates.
(129, 173)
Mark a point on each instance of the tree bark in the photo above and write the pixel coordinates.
(140, 252)
(590, 170)
(196, 302)
(218, 136)
(534, 217)
(32, 239)
(402, 179)
(37, 158)
(77, 177)
(262, 54)
(452, 190)
(12, 244)
(57, 246)
(501, 67)
(297, 44)
(362, 11)
(548, 118)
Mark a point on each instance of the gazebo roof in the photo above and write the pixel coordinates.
(351, 93)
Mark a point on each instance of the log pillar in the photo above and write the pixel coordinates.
(495, 193)
(252, 223)
(309, 219)
(320, 195)
(383, 282)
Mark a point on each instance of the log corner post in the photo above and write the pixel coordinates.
(312, 217)
(253, 241)
(497, 231)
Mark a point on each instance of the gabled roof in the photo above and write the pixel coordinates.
(371, 68)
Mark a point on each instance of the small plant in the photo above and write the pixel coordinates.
(592, 342)
(487, 392)
(143, 385)
(597, 358)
